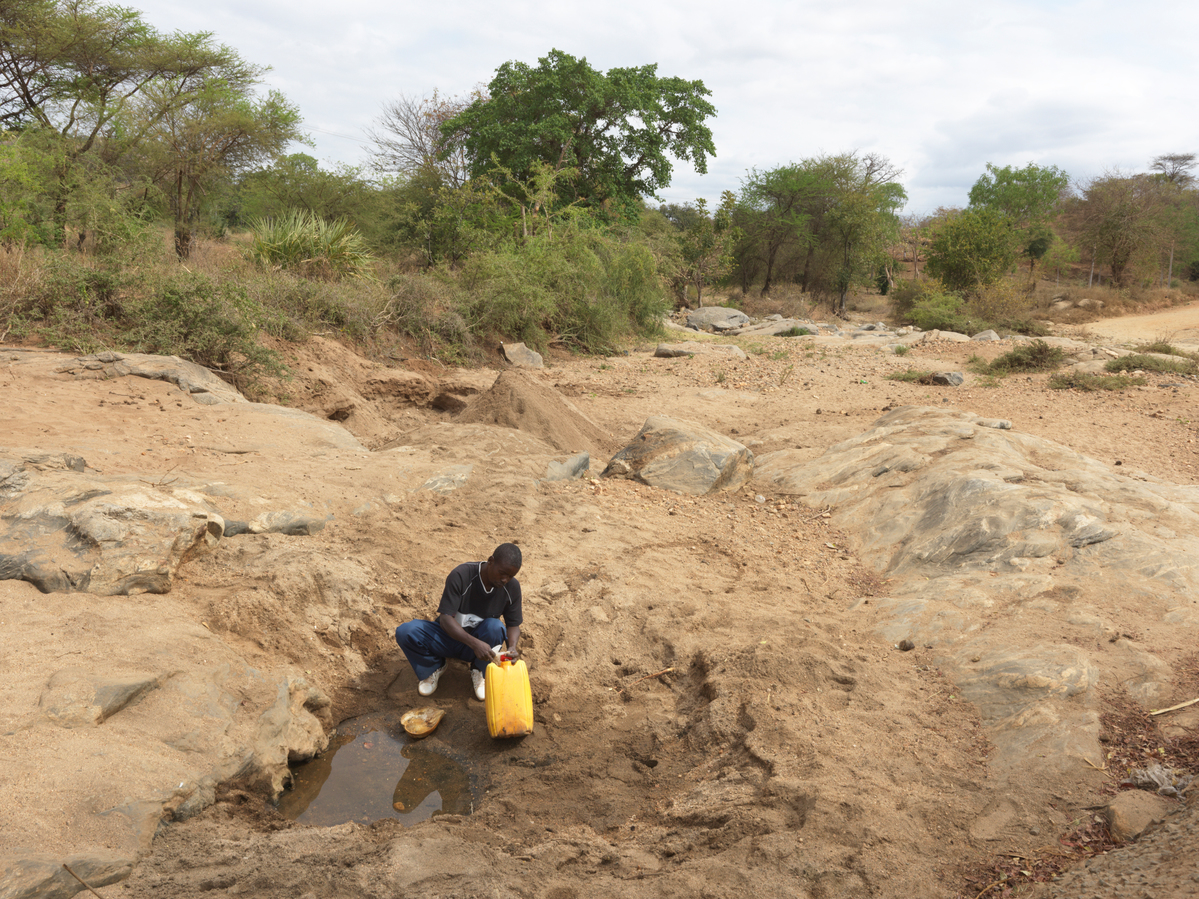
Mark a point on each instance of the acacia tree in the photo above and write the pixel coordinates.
(776, 208)
(75, 67)
(1124, 219)
(221, 130)
(833, 216)
(1176, 167)
(617, 129)
(863, 219)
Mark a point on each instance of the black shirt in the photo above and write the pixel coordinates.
(469, 602)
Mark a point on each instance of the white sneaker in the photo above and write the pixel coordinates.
(480, 682)
(429, 685)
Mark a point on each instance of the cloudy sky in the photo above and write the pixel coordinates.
(940, 87)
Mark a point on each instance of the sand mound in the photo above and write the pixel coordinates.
(519, 401)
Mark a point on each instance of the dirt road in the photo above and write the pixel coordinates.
(1179, 326)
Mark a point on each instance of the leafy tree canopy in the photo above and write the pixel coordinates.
(617, 130)
(971, 249)
(1027, 196)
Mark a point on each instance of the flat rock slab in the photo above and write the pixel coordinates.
(698, 348)
(65, 528)
(148, 712)
(684, 457)
(986, 535)
(203, 386)
(777, 328)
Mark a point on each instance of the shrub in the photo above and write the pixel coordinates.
(580, 286)
(214, 325)
(912, 375)
(1138, 362)
(795, 331)
(971, 249)
(938, 311)
(1162, 348)
(928, 305)
(1035, 356)
(1027, 326)
(310, 245)
(1003, 301)
(1080, 381)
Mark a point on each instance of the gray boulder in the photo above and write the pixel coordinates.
(947, 378)
(705, 317)
(683, 457)
(574, 467)
(521, 356)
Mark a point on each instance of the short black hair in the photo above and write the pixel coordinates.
(507, 555)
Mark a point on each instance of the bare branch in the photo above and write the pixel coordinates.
(408, 137)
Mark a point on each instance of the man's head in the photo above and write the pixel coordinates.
(502, 566)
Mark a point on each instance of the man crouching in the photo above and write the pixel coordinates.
(468, 625)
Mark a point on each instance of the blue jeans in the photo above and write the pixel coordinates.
(427, 646)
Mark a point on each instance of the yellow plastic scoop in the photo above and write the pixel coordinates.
(423, 721)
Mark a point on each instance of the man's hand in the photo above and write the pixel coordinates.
(513, 653)
(483, 651)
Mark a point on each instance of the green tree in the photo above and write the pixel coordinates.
(443, 224)
(617, 129)
(74, 67)
(705, 246)
(863, 219)
(219, 131)
(1124, 219)
(1029, 197)
(828, 220)
(776, 212)
(971, 249)
(297, 182)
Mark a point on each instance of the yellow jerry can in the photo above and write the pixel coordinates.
(509, 699)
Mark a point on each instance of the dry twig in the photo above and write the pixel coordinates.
(647, 677)
(81, 880)
(1174, 708)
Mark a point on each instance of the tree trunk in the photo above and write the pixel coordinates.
(807, 263)
(769, 272)
(183, 240)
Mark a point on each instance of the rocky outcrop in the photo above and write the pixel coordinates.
(66, 528)
(203, 386)
(974, 524)
(695, 347)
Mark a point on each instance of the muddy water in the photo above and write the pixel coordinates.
(373, 770)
